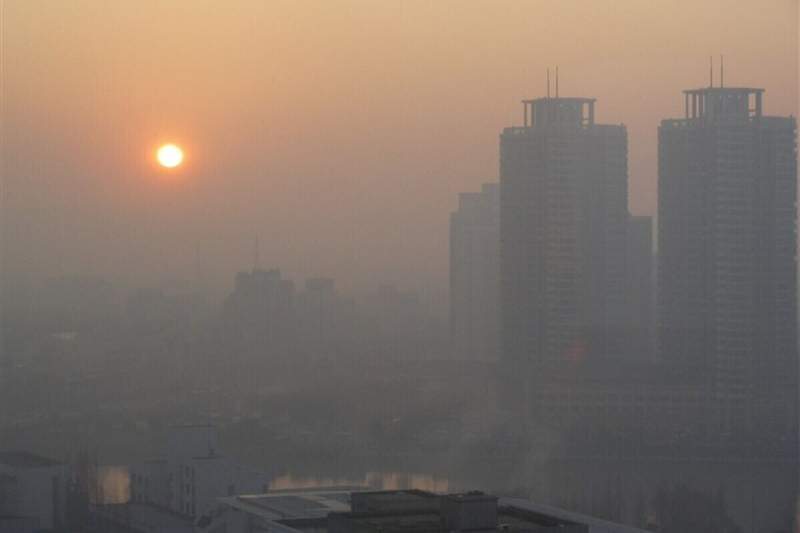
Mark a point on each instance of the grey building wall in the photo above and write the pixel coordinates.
(564, 215)
(727, 271)
(475, 275)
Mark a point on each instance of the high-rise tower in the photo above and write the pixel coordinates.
(564, 214)
(727, 269)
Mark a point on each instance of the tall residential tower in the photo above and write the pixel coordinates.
(727, 269)
(563, 227)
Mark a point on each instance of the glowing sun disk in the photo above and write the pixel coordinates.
(169, 155)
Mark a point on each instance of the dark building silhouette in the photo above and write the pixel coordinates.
(727, 268)
(475, 274)
(326, 321)
(563, 222)
(260, 313)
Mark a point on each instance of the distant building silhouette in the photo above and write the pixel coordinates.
(188, 477)
(475, 274)
(261, 310)
(727, 267)
(326, 321)
(564, 215)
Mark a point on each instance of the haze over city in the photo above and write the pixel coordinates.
(399, 266)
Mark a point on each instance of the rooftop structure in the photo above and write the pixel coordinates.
(548, 111)
(396, 511)
(712, 103)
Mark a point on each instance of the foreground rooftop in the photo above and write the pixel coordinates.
(349, 510)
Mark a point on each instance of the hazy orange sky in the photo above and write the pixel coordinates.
(339, 132)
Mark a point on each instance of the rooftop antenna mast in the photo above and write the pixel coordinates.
(710, 71)
(721, 70)
(548, 82)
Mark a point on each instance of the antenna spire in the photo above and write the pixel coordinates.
(710, 71)
(548, 82)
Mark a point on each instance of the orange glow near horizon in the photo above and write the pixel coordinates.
(169, 155)
(343, 132)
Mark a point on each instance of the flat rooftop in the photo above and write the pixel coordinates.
(292, 504)
(408, 511)
(426, 512)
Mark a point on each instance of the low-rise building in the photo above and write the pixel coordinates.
(191, 474)
(33, 492)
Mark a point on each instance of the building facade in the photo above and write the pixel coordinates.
(260, 310)
(475, 275)
(326, 321)
(191, 474)
(563, 224)
(33, 492)
(727, 262)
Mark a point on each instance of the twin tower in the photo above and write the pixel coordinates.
(548, 291)
(727, 281)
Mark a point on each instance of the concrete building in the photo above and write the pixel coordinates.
(394, 511)
(563, 222)
(260, 311)
(33, 492)
(727, 268)
(475, 275)
(191, 474)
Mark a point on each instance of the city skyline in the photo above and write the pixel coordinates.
(315, 246)
(136, 92)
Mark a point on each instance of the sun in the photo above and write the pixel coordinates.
(169, 155)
